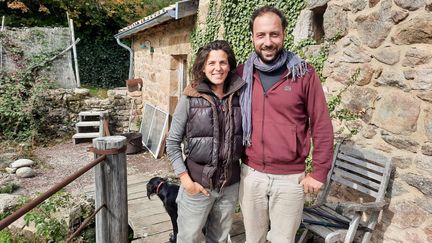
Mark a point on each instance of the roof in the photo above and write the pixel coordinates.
(178, 10)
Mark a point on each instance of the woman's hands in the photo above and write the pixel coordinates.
(190, 186)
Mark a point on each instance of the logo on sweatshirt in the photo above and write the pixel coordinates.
(287, 88)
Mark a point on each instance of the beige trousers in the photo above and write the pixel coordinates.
(271, 205)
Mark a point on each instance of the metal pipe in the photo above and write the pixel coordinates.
(84, 224)
(131, 56)
(35, 202)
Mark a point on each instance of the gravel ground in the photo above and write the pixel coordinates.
(56, 162)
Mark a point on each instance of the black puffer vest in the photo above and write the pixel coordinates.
(214, 135)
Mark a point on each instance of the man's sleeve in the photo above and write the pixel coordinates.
(176, 134)
(321, 127)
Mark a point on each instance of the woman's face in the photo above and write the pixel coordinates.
(216, 67)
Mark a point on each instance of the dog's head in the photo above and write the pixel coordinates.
(153, 185)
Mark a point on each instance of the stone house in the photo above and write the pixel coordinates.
(160, 52)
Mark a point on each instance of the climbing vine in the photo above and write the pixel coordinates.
(234, 16)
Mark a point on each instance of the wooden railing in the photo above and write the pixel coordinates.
(110, 195)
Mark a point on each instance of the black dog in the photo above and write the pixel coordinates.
(167, 192)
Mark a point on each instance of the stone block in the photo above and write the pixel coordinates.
(402, 142)
(415, 30)
(422, 183)
(407, 215)
(401, 118)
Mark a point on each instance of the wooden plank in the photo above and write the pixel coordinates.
(362, 163)
(356, 178)
(356, 186)
(359, 170)
(364, 154)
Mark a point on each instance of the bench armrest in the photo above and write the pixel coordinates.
(360, 207)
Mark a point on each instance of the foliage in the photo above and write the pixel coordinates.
(234, 16)
(8, 187)
(7, 237)
(22, 107)
(48, 226)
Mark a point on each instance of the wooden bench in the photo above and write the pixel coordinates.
(362, 172)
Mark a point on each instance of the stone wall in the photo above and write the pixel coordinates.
(34, 43)
(63, 106)
(160, 70)
(390, 43)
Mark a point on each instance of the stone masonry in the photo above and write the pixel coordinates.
(390, 43)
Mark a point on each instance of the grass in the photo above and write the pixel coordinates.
(96, 91)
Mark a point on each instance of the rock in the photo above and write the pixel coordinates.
(427, 149)
(426, 96)
(420, 182)
(358, 100)
(393, 78)
(422, 79)
(401, 142)
(8, 202)
(311, 4)
(400, 118)
(428, 123)
(387, 55)
(398, 16)
(424, 163)
(335, 21)
(396, 189)
(355, 53)
(365, 75)
(417, 56)
(11, 170)
(305, 27)
(25, 172)
(410, 4)
(372, 3)
(428, 231)
(81, 91)
(377, 24)
(357, 5)
(22, 163)
(368, 132)
(402, 162)
(407, 215)
(415, 30)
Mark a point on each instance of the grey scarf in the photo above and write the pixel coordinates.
(296, 68)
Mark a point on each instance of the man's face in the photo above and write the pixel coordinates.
(268, 36)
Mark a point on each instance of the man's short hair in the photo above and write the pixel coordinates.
(262, 10)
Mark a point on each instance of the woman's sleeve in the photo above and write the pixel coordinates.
(176, 134)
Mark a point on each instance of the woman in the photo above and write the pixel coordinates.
(208, 118)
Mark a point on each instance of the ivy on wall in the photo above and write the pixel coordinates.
(234, 16)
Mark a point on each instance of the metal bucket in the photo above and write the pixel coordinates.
(134, 143)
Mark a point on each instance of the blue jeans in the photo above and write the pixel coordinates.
(213, 212)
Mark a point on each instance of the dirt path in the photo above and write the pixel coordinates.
(61, 160)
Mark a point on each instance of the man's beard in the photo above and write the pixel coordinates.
(276, 56)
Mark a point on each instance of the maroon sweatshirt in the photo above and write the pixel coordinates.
(283, 120)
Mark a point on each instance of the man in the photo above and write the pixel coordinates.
(283, 104)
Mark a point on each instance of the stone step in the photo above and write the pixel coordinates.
(88, 124)
(86, 135)
(92, 113)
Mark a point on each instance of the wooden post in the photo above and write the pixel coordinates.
(111, 190)
(74, 52)
(1, 46)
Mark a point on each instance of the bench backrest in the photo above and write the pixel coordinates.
(361, 169)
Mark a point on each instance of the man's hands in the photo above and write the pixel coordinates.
(190, 186)
(310, 185)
